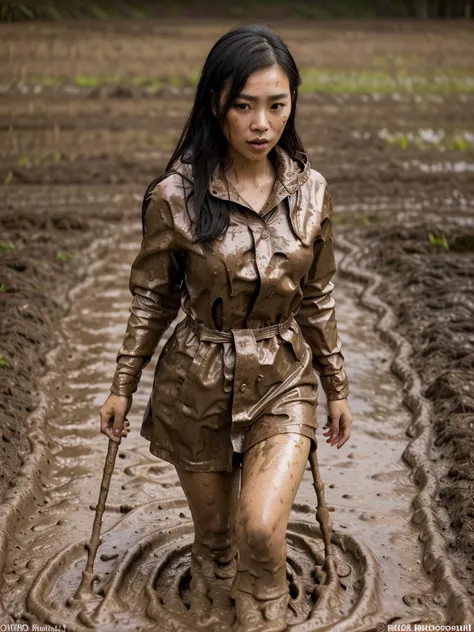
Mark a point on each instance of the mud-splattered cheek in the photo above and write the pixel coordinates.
(282, 125)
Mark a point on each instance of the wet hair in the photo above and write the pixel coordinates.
(233, 58)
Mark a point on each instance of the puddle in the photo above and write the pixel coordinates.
(147, 528)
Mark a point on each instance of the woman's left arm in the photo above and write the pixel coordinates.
(317, 320)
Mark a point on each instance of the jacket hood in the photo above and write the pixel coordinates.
(291, 174)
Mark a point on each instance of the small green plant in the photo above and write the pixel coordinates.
(86, 82)
(37, 286)
(2, 287)
(9, 177)
(3, 362)
(63, 256)
(4, 246)
(438, 240)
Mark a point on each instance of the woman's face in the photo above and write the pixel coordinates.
(259, 112)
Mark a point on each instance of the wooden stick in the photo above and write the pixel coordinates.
(322, 514)
(85, 591)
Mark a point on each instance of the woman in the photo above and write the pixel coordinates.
(237, 232)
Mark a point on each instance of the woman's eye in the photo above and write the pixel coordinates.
(242, 106)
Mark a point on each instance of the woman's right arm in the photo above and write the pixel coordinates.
(155, 283)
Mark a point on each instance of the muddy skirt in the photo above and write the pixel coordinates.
(188, 419)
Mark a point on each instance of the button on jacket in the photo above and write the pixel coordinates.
(259, 317)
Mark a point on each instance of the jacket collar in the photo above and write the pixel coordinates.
(291, 175)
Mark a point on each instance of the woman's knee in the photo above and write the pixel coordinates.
(258, 534)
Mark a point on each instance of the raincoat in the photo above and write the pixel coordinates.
(259, 318)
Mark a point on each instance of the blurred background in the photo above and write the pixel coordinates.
(60, 9)
(93, 97)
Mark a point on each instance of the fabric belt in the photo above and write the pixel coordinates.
(214, 335)
(247, 365)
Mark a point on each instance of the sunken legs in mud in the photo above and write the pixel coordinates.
(241, 539)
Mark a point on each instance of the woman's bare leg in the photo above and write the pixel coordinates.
(213, 500)
(271, 474)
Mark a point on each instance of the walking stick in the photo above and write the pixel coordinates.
(85, 591)
(322, 515)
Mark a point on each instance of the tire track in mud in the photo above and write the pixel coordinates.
(147, 528)
(449, 590)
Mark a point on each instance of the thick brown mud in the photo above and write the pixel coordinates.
(143, 561)
(75, 157)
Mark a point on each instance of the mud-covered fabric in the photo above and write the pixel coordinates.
(268, 265)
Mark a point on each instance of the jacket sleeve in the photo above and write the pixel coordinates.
(155, 284)
(317, 314)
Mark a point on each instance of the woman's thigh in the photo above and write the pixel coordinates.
(271, 473)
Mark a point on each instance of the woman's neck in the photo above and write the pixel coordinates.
(240, 170)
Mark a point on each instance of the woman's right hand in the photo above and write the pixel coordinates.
(113, 417)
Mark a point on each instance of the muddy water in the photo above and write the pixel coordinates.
(147, 529)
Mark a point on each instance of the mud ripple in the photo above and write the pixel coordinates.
(143, 579)
(435, 559)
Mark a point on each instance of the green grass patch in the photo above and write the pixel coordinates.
(3, 362)
(5, 246)
(89, 81)
(430, 139)
(63, 256)
(378, 81)
(326, 80)
(86, 82)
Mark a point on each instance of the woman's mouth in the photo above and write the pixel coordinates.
(259, 146)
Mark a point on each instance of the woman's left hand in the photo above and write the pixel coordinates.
(340, 419)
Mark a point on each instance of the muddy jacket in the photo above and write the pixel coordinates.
(269, 265)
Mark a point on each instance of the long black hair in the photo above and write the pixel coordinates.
(234, 57)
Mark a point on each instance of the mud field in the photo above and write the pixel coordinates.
(89, 113)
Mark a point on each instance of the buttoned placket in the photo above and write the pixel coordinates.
(246, 371)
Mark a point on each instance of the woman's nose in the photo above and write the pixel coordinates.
(260, 121)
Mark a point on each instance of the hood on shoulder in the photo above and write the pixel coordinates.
(291, 173)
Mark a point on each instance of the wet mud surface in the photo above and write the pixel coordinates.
(147, 529)
(76, 154)
(430, 288)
